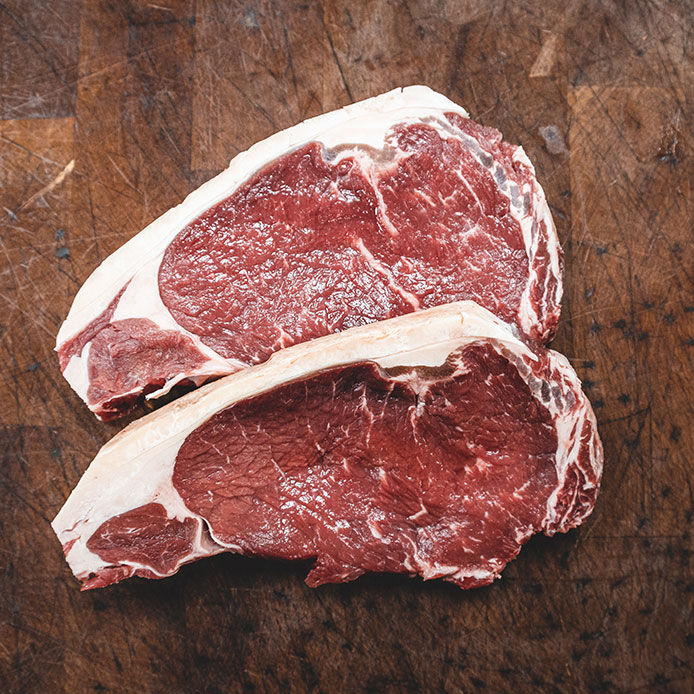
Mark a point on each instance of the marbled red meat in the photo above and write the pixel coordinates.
(365, 473)
(319, 242)
(321, 238)
(438, 471)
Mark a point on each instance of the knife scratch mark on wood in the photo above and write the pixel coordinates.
(48, 188)
(336, 59)
(45, 160)
(12, 491)
(32, 318)
(122, 175)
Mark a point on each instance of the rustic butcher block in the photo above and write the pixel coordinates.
(112, 112)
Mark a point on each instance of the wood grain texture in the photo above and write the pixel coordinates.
(112, 112)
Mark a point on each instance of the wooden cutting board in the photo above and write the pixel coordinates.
(112, 112)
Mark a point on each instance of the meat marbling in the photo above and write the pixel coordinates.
(390, 205)
(433, 444)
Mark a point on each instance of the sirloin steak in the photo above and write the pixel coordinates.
(387, 206)
(433, 444)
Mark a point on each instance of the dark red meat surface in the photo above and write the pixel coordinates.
(315, 243)
(436, 472)
(321, 240)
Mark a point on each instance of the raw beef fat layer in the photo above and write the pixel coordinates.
(391, 205)
(434, 444)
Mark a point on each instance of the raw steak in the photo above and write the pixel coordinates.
(387, 206)
(433, 444)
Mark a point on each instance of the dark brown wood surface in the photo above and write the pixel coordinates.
(111, 112)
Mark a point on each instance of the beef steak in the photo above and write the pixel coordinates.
(433, 444)
(391, 205)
